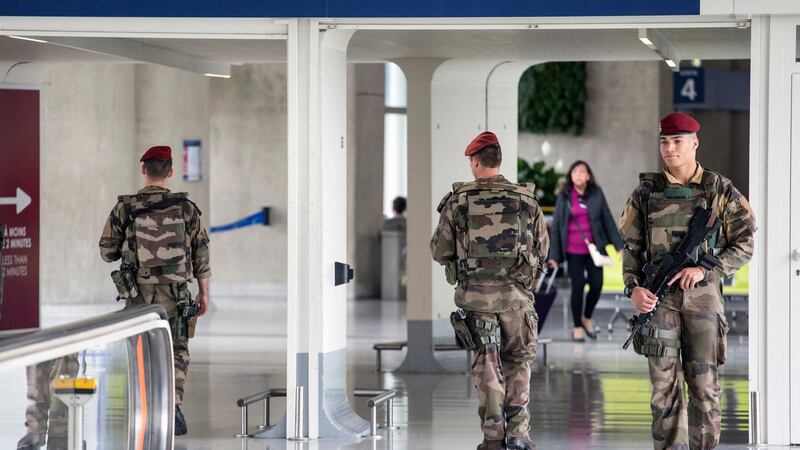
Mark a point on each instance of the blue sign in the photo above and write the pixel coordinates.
(689, 87)
(347, 8)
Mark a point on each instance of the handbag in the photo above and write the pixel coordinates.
(599, 259)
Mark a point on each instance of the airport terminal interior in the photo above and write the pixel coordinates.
(328, 323)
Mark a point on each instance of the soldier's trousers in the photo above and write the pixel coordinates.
(166, 295)
(46, 414)
(501, 373)
(698, 315)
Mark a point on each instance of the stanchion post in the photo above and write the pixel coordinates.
(299, 404)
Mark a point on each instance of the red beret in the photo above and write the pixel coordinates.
(159, 152)
(480, 142)
(678, 123)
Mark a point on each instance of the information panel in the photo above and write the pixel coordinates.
(19, 207)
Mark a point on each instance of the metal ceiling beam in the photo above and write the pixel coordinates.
(138, 51)
(149, 28)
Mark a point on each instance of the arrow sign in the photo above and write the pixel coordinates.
(22, 200)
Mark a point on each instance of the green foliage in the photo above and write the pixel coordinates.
(552, 98)
(547, 180)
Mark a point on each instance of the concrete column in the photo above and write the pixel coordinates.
(365, 163)
(419, 214)
(465, 96)
(317, 308)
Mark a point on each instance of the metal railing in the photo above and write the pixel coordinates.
(378, 397)
(245, 402)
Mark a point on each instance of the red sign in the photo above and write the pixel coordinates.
(19, 207)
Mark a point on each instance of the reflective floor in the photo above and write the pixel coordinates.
(593, 395)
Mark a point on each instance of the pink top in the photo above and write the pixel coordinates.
(579, 216)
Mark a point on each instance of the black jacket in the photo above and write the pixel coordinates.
(604, 228)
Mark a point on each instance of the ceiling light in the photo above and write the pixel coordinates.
(671, 63)
(23, 38)
(216, 75)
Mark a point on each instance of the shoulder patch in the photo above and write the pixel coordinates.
(443, 203)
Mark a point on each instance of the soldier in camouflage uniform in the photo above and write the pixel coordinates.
(163, 245)
(492, 240)
(46, 418)
(686, 340)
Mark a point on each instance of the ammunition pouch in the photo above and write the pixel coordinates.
(487, 333)
(651, 341)
(179, 326)
(464, 339)
(125, 282)
(184, 324)
(451, 272)
(191, 326)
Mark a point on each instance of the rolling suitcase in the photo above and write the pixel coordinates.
(545, 296)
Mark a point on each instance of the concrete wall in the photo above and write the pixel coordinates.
(620, 138)
(88, 157)
(97, 119)
(172, 106)
(248, 172)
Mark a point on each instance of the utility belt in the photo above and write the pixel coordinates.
(184, 323)
(472, 333)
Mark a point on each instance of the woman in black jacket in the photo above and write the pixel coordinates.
(582, 217)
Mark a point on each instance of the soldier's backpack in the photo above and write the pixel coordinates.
(494, 227)
(158, 237)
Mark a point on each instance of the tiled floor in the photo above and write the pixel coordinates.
(593, 395)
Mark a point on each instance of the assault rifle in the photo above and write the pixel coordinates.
(701, 227)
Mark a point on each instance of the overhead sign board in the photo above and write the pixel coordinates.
(349, 8)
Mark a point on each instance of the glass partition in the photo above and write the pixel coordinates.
(115, 370)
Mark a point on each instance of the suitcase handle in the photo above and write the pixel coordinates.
(551, 277)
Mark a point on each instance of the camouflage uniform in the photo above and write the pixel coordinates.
(692, 321)
(493, 240)
(168, 247)
(46, 415)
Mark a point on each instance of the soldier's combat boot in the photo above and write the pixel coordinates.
(492, 445)
(515, 443)
(31, 441)
(180, 422)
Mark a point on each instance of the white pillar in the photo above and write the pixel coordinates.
(774, 336)
(419, 73)
(317, 308)
(450, 102)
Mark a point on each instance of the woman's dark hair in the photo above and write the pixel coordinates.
(568, 184)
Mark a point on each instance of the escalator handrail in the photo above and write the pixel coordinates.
(135, 320)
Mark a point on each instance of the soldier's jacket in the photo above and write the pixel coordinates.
(493, 241)
(169, 245)
(671, 206)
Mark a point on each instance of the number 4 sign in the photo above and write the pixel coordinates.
(689, 87)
